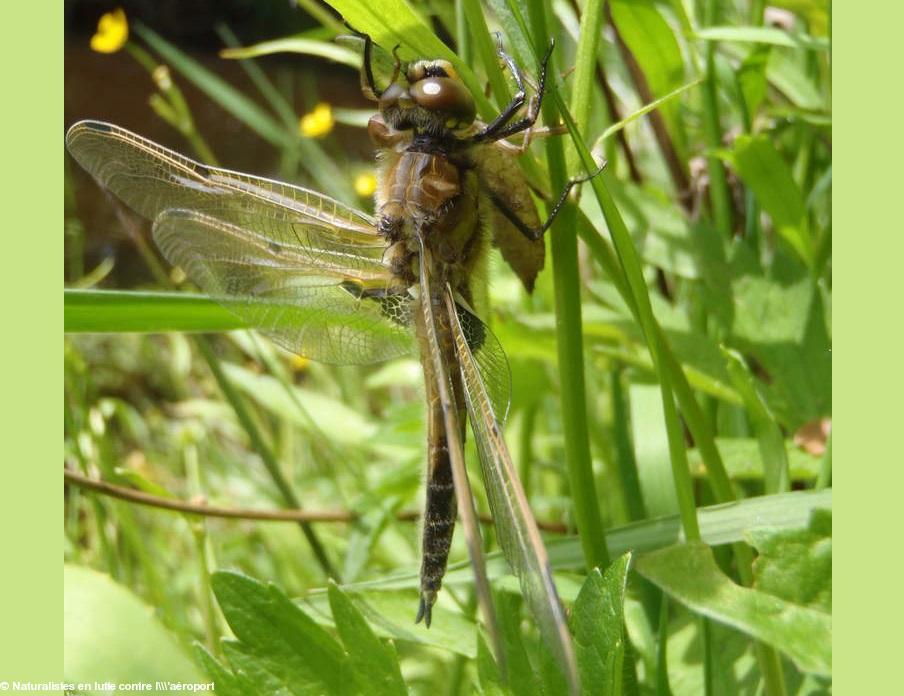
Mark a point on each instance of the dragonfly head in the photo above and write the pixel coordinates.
(435, 100)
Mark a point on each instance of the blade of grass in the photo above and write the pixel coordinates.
(268, 91)
(630, 267)
(486, 50)
(773, 454)
(644, 110)
(668, 368)
(263, 449)
(582, 82)
(718, 184)
(321, 168)
(296, 44)
(569, 339)
(217, 89)
(114, 311)
(719, 525)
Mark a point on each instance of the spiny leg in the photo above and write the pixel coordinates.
(518, 100)
(500, 127)
(535, 233)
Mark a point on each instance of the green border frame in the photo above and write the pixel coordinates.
(31, 365)
(866, 382)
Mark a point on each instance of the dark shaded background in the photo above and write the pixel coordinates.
(116, 88)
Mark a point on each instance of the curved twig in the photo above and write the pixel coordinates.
(200, 508)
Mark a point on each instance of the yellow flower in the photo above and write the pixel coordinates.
(317, 123)
(298, 363)
(112, 32)
(365, 185)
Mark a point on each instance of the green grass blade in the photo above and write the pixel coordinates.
(217, 89)
(115, 311)
(631, 268)
(569, 338)
(300, 45)
(771, 36)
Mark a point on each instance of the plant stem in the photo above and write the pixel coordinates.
(720, 199)
(566, 280)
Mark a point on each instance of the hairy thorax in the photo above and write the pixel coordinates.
(428, 191)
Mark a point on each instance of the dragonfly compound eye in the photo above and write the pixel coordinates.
(446, 96)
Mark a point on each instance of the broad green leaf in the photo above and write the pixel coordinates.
(764, 171)
(733, 658)
(597, 620)
(391, 615)
(114, 311)
(751, 76)
(788, 76)
(796, 564)
(225, 683)
(523, 677)
(276, 635)
(653, 44)
(109, 634)
(689, 573)
(782, 324)
(268, 673)
(374, 664)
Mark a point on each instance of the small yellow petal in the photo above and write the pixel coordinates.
(299, 363)
(365, 185)
(318, 122)
(112, 32)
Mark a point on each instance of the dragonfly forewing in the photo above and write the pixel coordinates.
(151, 179)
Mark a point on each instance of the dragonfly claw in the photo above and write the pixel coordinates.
(425, 608)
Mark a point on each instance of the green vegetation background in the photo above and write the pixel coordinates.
(28, 458)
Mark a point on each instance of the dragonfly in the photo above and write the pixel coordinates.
(339, 286)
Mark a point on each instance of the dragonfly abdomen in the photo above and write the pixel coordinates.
(441, 506)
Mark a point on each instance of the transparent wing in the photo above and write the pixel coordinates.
(432, 329)
(150, 178)
(305, 269)
(505, 185)
(322, 317)
(515, 525)
(490, 358)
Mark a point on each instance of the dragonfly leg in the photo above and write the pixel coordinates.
(368, 84)
(501, 126)
(535, 233)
